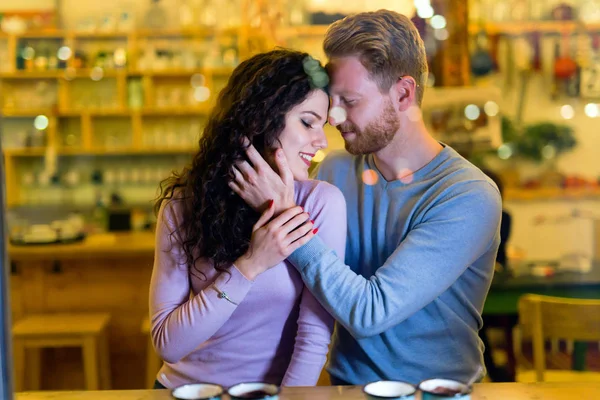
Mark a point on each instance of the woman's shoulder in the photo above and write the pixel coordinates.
(314, 195)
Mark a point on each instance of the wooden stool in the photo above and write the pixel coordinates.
(153, 361)
(88, 331)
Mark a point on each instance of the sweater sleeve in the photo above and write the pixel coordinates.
(315, 324)
(453, 234)
(180, 322)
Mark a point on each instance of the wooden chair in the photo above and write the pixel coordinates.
(549, 318)
(88, 331)
(153, 361)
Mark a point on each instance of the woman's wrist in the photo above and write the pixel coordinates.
(247, 267)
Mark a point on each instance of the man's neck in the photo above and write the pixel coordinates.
(407, 153)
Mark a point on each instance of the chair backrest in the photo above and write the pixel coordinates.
(546, 317)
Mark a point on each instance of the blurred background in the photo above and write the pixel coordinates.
(100, 101)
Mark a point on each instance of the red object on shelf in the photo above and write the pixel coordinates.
(565, 68)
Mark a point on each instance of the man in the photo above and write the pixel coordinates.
(422, 221)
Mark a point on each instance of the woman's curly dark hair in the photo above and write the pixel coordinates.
(215, 222)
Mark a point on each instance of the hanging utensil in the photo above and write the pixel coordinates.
(547, 44)
(590, 74)
(524, 65)
(481, 60)
(564, 66)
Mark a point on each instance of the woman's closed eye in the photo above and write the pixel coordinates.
(306, 124)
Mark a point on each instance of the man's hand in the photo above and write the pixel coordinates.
(258, 183)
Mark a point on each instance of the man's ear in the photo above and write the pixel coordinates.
(403, 93)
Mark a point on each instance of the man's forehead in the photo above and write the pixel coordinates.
(348, 79)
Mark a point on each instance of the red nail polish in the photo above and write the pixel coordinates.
(312, 221)
(315, 231)
(271, 203)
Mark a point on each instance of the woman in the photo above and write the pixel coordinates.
(216, 315)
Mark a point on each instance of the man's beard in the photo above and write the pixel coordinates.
(377, 134)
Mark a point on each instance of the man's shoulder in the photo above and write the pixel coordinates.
(457, 172)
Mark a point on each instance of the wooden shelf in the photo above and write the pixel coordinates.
(521, 27)
(46, 34)
(26, 152)
(167, 111)
(113, 73)
(153, 33)
(182, 72)
(60, 73)
(303, 30)
(68, 114)
(32, 74)
(41, 151)
(99, 35)
(148, 111)
(32, 112)
(540, 194)
(106, 73)
(140, 33)
(117, 112)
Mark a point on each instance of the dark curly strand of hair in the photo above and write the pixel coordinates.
(216, 223)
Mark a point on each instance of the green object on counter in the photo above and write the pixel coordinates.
(537, 139)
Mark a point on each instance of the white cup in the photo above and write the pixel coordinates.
(254, 390)
(389, 390)
(198, 391)
(433, 389)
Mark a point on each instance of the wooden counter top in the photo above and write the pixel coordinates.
(107, 245)
(483, 391)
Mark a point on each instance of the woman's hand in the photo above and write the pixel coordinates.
(272, 242)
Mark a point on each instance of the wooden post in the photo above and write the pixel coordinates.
(451, 66)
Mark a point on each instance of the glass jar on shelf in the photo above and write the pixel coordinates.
(156, 16)
(186, 14)
(298, 13)
(135, 94)
(208, 13)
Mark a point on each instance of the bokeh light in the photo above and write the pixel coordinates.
(592, 110)
(120, 57)
(438, 22)
(567, 111)
(441, 34)
(472, 112)
(337, 115)
(548, 152)
(370, 177)
(491, 108)
(406, 176)
(41, 122)
(505, 151)
(64, 53)
(425, 11)
(201, 94)
(97, 73)
(319, 156)
(28, 53)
